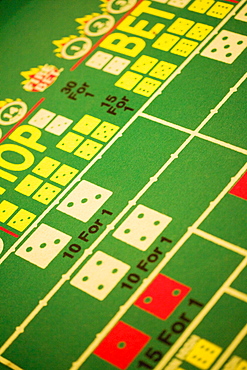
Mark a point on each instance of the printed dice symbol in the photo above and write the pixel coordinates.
(6, 210)
(41, 118)
(242, 365)
(201, 6)
(99, 60)
(147, 86)
(199, 31)
(184, 47)
(142, 227)
(70, 142)
(46, 193)
(165, 42)
(86, 124)
(226, 47)
(162, 70)
(121, 346)
(43, 245)
(219, 10)
(240, 188)
(203, 354)
(58, 125)
(116, 65)
(46, 166)
(28, 185)
(144, 64)
(180, 26)
(179, 3)
(84, 201)
(99, 276)
(105, 131)
(242, 15)
(128, 80)
(88, 149)
(64, 175)
(162, 296)
(21, 220)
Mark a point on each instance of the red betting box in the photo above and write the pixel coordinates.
(162, 296)
(122, 345)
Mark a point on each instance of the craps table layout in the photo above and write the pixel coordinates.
(123, 184)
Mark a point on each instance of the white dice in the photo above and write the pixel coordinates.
(179, 3)
(116, 65)
(142, 227)
(41, 118)
(59, 125)
(226, 47)
(99, 60)
(84, 201)
(99, 276)
(242, 15)
(43, 245)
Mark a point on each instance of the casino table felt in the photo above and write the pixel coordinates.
(123, 185)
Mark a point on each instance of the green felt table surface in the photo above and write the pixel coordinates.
(123, 184)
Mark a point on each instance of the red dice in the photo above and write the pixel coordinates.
(162, 296)
(122, 345)
(240, 188)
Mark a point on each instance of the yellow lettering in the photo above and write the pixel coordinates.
(143, 7)
(26, 154)
(138, 29)
(31, 141)
(123, 41)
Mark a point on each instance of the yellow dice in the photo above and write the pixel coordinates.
(70, 142)
(28, 185)
(242, 365)
(21, 220)
(219, 10)
(64, 175)
(184, 47)
(162, 70)
(46, 193)
(203, 354)
(147, 86)
(6, 210)
(88, 149)
(46, 166)
(2, 190)
(86, 124)
(105, 131)
(144, 64)
(180, 26)
(200, 6)
(199, 31)
(128, 80)
(165, 42)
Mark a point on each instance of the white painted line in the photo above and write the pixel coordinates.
(201, 316)
(237, 340)
(222, 143)
(198, 134)
(8, 363)
(166, 123)
(221, 242)
(237, 294)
